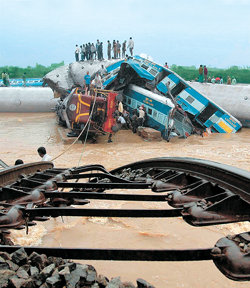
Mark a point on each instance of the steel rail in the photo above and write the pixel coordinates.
(232, 178)
(11, 174)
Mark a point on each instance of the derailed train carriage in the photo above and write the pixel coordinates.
(170, 103)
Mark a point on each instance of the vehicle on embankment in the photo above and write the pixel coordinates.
(30, 82)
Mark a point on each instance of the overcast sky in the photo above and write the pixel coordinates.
(215, 32)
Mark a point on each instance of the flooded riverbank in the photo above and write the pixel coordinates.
(22, 134)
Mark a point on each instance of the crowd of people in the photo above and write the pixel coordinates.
(203, 77)
(115, 50)
(127, 121)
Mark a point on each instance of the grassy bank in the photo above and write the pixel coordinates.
(242, 75)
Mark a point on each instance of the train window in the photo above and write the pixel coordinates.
(144, 66)
(190, 99)
(207, 113)
(136, 60)
(178, 88)
(155, 114)
(163, 74)
(149, 111)
(129, 101)
(133, 103)
(153, 72)
(160, 117)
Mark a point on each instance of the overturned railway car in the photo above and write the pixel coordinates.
(92, 112)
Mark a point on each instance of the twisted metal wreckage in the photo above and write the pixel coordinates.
(202, 192)
(172, 105)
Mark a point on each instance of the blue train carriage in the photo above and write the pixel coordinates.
(200, 109)
(158, 109)
(30, 82)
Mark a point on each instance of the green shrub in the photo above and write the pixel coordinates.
(31, 72)
(242, 74)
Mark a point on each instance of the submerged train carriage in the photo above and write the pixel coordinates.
(80, 108)
(203, 112)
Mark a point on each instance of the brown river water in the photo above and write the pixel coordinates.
(22, 134)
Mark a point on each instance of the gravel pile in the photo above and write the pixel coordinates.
(19, 270)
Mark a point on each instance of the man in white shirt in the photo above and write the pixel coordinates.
(103, 71)
(43, 154)
(77, 52)
(122, 121)
(141, 116)
(131, 45)
(98, 81)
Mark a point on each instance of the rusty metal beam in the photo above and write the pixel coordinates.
(118, 254)
(134, 213)
(105, 196)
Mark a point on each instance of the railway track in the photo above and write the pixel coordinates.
(201, 192)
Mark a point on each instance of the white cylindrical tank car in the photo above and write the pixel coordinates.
(26, 99)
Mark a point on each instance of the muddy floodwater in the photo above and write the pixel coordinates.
(22, 134)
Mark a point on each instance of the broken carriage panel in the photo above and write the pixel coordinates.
(112, 71)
